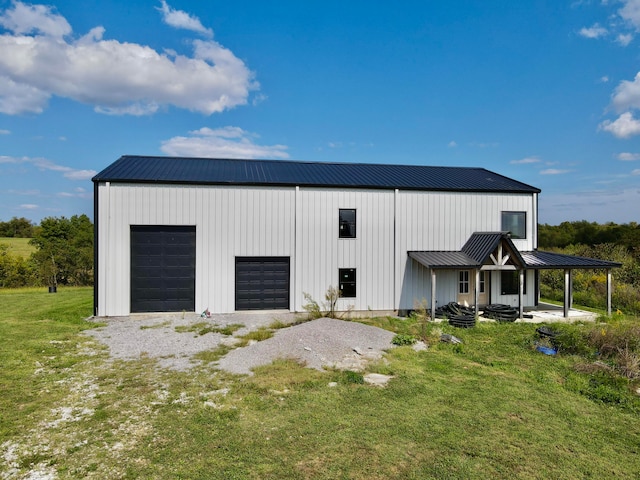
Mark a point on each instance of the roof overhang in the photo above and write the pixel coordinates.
(496, 251)
(539, 260)
(444, 259)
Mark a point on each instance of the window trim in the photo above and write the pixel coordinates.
(354, 224)
(504, 213)
(351, 282)
(463, 281)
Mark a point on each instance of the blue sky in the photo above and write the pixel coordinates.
(546, 92)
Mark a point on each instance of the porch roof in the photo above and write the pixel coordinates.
(434, 259)
(540, 260)
(478, 250)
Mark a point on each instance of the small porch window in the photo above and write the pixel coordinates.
(482, 282)
(463, 282)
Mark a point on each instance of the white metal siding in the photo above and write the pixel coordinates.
(302, 223)
(445, 221)
(320, 252)
(230, 222)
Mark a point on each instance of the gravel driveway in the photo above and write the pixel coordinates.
(318, 343)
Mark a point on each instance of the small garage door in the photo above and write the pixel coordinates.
(262, 283)
(163, 268)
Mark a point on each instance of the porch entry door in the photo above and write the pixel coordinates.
(467, 285)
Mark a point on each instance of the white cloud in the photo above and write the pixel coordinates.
(553, 171)
(624, 126)
(115, 77)
(628, 157)
(630, 12)
(226, 142)
(452, 144)
(181, 19)
(5, 132)
(47, 165)
(485, 144)
(624, 39)
(29, 206)
(604, 79)
(627, 94)
(636, 171)
(596, 31)
(525, 161)
(25, 19)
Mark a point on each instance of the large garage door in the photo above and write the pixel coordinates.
(262, 283)
(163, 268)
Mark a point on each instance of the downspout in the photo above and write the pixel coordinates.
(95, 247)
(433, 294)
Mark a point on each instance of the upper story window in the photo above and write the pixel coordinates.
(347, 223)
(515, 223)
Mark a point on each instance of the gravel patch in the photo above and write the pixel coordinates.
(155, 336)
(320, 343)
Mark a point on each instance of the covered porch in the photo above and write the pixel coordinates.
(488, 252)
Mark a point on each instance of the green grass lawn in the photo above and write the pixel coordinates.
(492, 407)
(19, 246)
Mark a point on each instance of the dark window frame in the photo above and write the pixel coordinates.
(346, 226)
(510, 285)
(347, 282)
(464, 281)
(507, 222)
(483, 282)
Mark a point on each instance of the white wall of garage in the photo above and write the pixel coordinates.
(301, 223)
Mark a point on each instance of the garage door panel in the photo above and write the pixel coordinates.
(262, 283)
(162, 268)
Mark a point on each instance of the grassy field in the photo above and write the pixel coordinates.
(19, 246)
(492, 407)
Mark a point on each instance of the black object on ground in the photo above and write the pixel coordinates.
(500, 312)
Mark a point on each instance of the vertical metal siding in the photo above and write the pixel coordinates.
(320, 252)
(302, 223)
(445, 221)
(230, 222)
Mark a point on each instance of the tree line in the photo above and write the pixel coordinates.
(608, 241)
(63, 252)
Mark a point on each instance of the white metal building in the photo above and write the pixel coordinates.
(186, 234)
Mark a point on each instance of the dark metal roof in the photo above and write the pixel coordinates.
(547, 260)
(444, 259)
(220, 171)
(482, 244)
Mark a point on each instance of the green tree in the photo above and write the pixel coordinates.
(64, 250)
(16, 227)
(15, 271)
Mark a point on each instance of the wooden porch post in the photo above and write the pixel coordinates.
(476, 292)
(521, 293)
(433, 294)
(567, 292)
(608, 292)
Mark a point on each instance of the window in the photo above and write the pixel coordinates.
(347, 282)
(347, 223)
(509, 281)
(463, 281)
(515, 223)
(482, 283)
